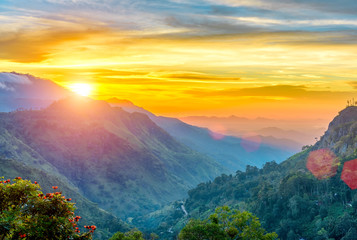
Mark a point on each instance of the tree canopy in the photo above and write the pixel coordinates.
(226, 224)
(27, 213)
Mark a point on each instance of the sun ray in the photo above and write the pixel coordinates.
(83, 89)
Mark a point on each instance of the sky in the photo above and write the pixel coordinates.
(253, 58)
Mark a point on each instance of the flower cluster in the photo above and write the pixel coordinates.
(91, 228)
(42, 208)
(5, 181)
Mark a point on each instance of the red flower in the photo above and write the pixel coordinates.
(54, 187)
(35, 182)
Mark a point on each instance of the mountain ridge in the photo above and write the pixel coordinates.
(227, 150)
(80, 138)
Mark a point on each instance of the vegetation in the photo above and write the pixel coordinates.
(226, 224)
(287, 197)
(134, 234)
(288, 201)
(107, 224)
(27, 213)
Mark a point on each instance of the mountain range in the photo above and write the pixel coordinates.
(231, 152)
(117, 160)
(288, 133)
(122, 161)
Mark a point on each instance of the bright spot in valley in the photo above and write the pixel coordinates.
(83, 89)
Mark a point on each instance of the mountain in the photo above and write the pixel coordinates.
(298, 132)
(341, 136)
(122, 161)
(292, 198)
(25, 91)
(232, 152)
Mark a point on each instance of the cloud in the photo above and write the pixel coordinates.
(343, 6)
(9, 80)
(205, 25)
(37, 46)
(204, 77)
(353, 84)
(278, 92)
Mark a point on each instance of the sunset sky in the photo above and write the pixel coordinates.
(252, 58)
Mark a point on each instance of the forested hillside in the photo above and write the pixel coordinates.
(293, 199)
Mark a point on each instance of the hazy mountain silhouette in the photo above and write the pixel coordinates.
(232, 152)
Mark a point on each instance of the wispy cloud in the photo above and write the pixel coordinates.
(9, 80)
(268, 49)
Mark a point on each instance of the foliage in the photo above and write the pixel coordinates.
(286, 197)
(27, 213)
(226, 224)
(134, 234)
(90, 212)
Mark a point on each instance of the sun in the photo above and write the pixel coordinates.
(83, 89)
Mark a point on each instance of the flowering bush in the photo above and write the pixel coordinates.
(27, 213)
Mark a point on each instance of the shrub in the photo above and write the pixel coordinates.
(27, 213)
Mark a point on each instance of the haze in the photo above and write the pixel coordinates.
(291, 60)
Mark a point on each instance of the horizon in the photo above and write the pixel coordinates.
(181, 58)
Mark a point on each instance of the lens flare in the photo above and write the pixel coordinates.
(349, 173)
(322, 163)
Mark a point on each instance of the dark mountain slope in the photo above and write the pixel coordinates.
(122, 161)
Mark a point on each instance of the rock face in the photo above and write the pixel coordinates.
(341, 135)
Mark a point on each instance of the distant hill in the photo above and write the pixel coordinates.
(122, 161)
(287, 197)
(291, 134)
(232, 152)
(26, 91)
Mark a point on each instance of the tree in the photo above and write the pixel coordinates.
(201, 230)
(134, 234)
(226, 224)
(27, 213)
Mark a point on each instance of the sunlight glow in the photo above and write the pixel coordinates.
(83, 89)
